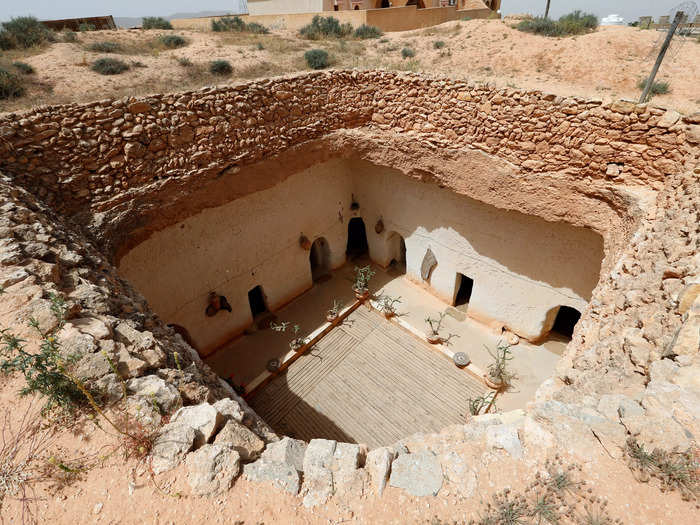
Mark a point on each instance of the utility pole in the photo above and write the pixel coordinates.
(546, 10)
(671, 30)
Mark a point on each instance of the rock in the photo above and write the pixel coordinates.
(668, 119)
(622, 106)
(318, 478)
(204, 418)
(94, 327)
(170, 447)
(693, 134)
(287, 451)
(230, 409)
(128, 365)
(615, 406)
(110, 388)
(14, 277)
(139, 107)
(74, 343)
(93, 366)
(243, 440)
(459, 474)
(687, 297)
(212, 469)
(154, 388)
(687, 338)
(378, 466)
(506, 438)
(144, 412)
(282, 476)
(418, 474)
(125, 333)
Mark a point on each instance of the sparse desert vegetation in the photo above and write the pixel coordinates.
(109, 66)
(317, 58)
(155, 22)
(575, 23)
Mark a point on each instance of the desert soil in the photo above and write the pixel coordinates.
(606, 64)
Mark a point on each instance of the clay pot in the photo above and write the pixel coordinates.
(361, 295)
(389, 315)
(304, 242)
(491, 384)
(433, 339)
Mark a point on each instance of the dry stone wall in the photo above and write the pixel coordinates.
(74, 155)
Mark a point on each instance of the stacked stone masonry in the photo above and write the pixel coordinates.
(640, 334)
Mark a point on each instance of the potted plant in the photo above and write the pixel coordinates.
(387, 305)
(361, 284)
(333, 312)
(296, 342)
(433, 334)
(498, 376)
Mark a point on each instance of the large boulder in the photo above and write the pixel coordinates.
(170, 447)
(212, 469)
(204, 418)
(154, 388)
(281, 475)
(242, 439)
(230, 409)
(318, 478)
(418, 474)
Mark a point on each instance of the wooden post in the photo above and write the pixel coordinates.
(650, 81)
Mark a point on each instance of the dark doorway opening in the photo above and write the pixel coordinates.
(464, 289)
(397, 249)
(256, 300)
(357, 238)
(566, 320)
(320, 259)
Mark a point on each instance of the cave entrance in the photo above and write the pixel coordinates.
(357, 238)
(565, 321)
(464, 286)
(256, 300)
(320, 259)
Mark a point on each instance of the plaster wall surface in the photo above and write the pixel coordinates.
(231, 249)
(522, 265)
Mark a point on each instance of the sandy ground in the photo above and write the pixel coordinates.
(606, 64)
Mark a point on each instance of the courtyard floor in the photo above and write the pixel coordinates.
(245, 358)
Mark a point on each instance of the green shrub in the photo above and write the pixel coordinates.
(45, 372)
(257, 29)
(155, 22)
(574, 23)
(105, 47)
(23, 68)
(70, 36)
(228, 24)
(185, 62)
(260, 46)
(86, 27)
(24, 32)
(220, 67)
(364, 32)
(439, 44)
(316, 58)
(10, 85)
(659, 87)
(109, 66)
(173, 41)
(324, 27)
(407, 52)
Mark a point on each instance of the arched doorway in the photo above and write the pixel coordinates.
(463, 291)
(565, 319)
(320, 259)
(396, 249)
(257, 303)
(357, 238)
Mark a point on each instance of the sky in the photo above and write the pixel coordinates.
(630, 10)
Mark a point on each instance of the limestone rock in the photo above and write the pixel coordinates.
(282, 476)
(687, 339)
(204, 418)
(318, 478)
(154, 388)
(212, 469)
(93, 366)
(230, 409)
(459, 474)
(243, 440)
(378, 466)
(170, 447)
(504, 437)
(418, 474)
(94, 327)
(109, 388)
(287, 451)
